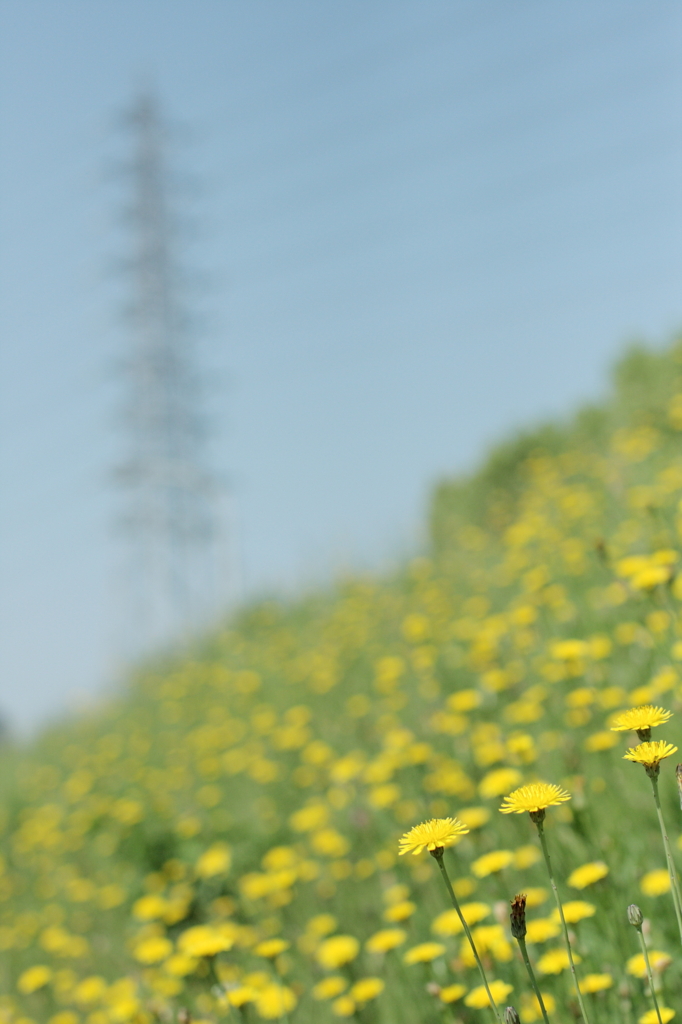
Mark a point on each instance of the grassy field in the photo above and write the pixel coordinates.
(222, 840)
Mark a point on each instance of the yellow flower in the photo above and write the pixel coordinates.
(575, 910)
(424, 953)
(491, 863)
(651, 1017)
(535, 797)
(448, 923)
(343, 1007)
(384, 940)
(474, 817)
(203, 940)
(214, 861)
(367, 988)
(153, 950)
(650, 754)
(478, 997)
(636, 965)
(600, 741)
(497, 782)
(596, 982)
(432, 835)
(451, 993)
(321, 924)
(555, 961)
(273, 1001)
(329, 988)
(536, 896)
(179, 966)
(271, 947)
(541, 929)
(645, 717)
(336, 951)
(588, 874)
(655, 883)
(240, 995)
(149, 908)
(34, 978)
(399, 911)
(530, 1007)
(526, 856)
(90, 990)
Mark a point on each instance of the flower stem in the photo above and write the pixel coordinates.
(437, 855)
(674, 884)
(645, 953)
(545, 852)
(531, 975)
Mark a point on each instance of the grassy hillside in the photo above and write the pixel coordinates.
(223, 839)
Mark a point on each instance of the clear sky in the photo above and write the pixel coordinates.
(422, 224)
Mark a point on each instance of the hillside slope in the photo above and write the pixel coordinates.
(234, 817)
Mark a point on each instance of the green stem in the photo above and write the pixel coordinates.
(650, 973)
(557, 900)
(531, 975)
(674, 885)
(437, 854)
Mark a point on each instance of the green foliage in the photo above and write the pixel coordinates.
(255, 788)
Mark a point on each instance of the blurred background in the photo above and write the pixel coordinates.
(269, 271)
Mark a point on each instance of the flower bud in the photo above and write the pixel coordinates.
(511, 1016)
(635, 916)
(678, 773)
(518, 917)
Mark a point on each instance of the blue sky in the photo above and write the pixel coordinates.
(421, 225)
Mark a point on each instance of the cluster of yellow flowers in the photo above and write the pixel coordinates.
(224, 838)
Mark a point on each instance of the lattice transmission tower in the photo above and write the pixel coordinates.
(169, 517)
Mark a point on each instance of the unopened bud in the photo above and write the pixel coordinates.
(518, 917)
(678, 773)
(511, 1016)
(635, 916)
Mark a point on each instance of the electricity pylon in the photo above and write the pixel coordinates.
(169, 517)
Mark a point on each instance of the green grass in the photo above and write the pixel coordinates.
(346, 702)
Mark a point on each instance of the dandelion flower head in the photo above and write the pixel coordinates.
(651, 753)
(432, 835)
(535, 797)
(588, 874)
(645, 717)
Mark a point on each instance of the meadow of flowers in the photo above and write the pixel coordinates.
(223, 841)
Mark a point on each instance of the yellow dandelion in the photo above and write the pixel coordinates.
(596, 983)
(34, 978)
(659, 960)
(336, 951)
(575, 910)
(542, 929)
(491, 863)
(588, 874)
(424, 953)
(655, 883)
(478, 997)
(367, 988)
(650, 754)
(449, 923)
(329, 988)
(533, 798)
(432, 835)
(273, 1001)
(451, 993)
(271, 947)
(640, 719)
(555, 961)
(383, 941)
(651, 1017)
(344, 1006)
